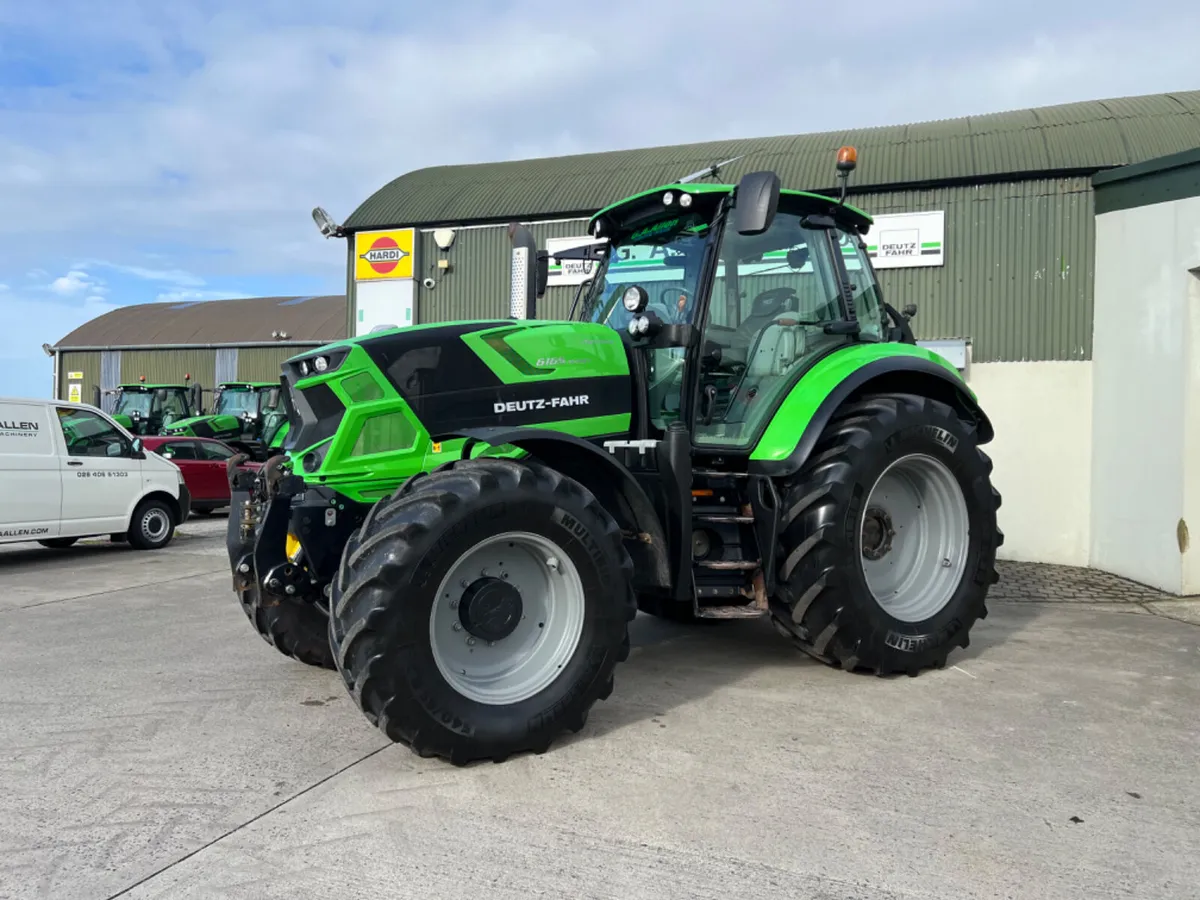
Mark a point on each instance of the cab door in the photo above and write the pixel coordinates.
(101, 479)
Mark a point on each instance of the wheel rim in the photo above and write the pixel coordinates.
(914, 537)
(507, 617)
(155, 525)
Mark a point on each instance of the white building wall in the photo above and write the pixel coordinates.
(1146, 395)
(1042, 453)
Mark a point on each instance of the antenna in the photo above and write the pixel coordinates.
(710, 172)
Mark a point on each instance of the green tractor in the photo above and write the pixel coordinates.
(733, 424)
(246, 415)
(149, 408)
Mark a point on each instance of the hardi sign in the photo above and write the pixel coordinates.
(383, 254)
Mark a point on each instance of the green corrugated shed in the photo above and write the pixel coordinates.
(169, 367)
(1069, 139)
(86, 362)
(263, 363)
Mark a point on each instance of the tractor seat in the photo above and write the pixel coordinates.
(764, 311)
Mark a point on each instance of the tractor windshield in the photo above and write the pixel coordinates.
(234, 402)
(131, 402)
(663, 258)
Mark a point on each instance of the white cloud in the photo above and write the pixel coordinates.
(3, 288)
(74, 282)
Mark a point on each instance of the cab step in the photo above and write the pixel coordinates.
(729, 565)
(729, 519)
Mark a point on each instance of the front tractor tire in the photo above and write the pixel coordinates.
(888, 538)
(481, 610)
(295, 628)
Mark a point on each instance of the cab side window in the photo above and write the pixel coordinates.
(88, 434)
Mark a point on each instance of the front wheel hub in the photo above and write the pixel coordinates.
(490, 609)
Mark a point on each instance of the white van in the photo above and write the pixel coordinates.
(68, 471)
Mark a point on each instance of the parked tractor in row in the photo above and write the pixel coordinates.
(249, 416)
(732, 424)
(146, 409)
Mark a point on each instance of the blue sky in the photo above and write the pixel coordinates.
(153, 151)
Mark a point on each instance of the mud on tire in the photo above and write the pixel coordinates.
(823, 600)
(391, 576)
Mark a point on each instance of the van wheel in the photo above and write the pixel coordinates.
(152, 525)
(58, 543)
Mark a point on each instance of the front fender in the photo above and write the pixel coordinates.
(600, 473)
(845, 374)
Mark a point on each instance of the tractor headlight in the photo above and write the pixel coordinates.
(320, 363)
(639, 325)
(304, 367)
(668, 198)
(685, 200)
(635, 298)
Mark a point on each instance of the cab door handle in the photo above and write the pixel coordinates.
(74, 462)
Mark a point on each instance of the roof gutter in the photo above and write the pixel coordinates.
(82, 348)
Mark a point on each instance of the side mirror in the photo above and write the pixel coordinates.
(138, 452)
(756, 202)
(97, 397)
(273, 399)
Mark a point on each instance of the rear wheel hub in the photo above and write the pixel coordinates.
(490, 609)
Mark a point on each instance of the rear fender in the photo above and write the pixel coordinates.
(597, 470)
(903, 373)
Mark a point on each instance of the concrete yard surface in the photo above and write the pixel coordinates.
(153, 746)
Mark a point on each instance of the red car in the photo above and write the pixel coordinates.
(202, 462)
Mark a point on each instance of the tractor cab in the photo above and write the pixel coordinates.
(246, 415)
(729, 294)
(149, 408)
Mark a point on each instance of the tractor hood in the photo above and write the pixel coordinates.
(443, 378)
(203, 426)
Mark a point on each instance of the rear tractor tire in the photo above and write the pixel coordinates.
(888, 538)
(481, 610)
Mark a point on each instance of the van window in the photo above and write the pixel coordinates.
(88, 434)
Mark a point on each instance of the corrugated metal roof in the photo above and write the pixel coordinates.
(1076, 138)
(314, 320)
